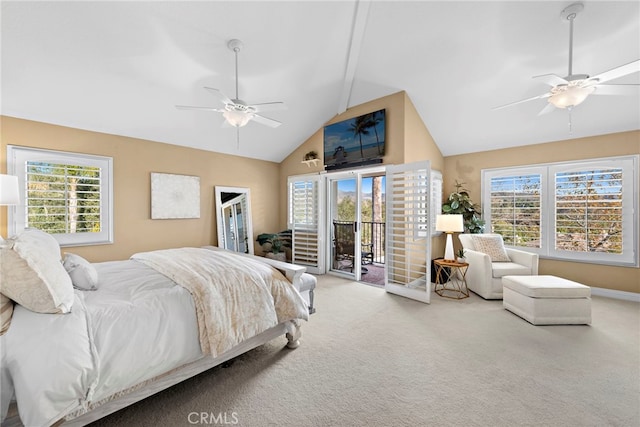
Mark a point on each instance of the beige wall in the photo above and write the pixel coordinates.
(133, 161)
(394, 149)
(467, 168)
(419, 144)
(407, 139)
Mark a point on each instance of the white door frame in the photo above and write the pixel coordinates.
(330, 177)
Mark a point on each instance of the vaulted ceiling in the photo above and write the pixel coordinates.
(121, 67)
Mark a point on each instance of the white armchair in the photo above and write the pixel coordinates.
(485, 277)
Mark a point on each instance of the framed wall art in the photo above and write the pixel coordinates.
(174, 196)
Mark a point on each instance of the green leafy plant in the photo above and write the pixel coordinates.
(311, 155)
(460, 203)
(272, 242)
(460, 253)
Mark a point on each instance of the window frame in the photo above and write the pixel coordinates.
(510, 172)
(548, 171)
(17, 158)
(436, 200)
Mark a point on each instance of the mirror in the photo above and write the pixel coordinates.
(233, 213)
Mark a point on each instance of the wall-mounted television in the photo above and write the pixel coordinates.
(355, 142)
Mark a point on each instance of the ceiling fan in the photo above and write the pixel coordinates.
(236, 112)
(567, 92)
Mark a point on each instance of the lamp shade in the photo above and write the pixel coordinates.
(9, 190)
(449, 223)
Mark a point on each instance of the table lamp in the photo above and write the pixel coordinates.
(449, 224)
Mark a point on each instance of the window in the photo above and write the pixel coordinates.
(515, 204)
(303, 199)
(581, 211)
(67, 195)
(304, 218)
(436, 199)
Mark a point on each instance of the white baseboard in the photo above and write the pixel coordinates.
(611, 293)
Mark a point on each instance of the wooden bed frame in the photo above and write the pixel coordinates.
(164, 381)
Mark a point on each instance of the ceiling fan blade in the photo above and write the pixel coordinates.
(269, 106)
(188, 107)
(546, 95)
(623, 70)
(551, 79)
(547, 109)
(266, 121)
(224, 98)
(617, 90)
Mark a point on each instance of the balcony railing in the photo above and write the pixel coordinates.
(372, 233)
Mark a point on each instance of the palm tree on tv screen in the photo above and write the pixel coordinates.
(360, 127)
(373, 120)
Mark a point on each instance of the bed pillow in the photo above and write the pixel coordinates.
(6, 312)
(492, 245)
(83, 275)
(32, 273)
(6, 305)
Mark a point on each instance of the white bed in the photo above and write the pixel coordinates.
(140, 333)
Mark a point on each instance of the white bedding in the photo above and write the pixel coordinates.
(136, 326)
(236, 298)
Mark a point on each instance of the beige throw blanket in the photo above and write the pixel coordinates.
(236, 298)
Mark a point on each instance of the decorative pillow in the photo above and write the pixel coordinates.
(6, 312)
(83, 275)
(32, 273)
(492, 245)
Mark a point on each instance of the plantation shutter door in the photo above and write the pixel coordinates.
(408, 238)
(305, 221)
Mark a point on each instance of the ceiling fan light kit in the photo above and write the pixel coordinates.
(570, 91)
(237, 118)
(236, 112)
(570, 95)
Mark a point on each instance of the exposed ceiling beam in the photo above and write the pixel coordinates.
(357, 35)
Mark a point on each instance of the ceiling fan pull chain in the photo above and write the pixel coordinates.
(569, 109)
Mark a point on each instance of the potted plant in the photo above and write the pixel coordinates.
(272, 246)
(459, 202)
(311, 155)
(460, 256)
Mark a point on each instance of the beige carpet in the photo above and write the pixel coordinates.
(369, 358)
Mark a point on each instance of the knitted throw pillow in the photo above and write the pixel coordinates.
(492, 245)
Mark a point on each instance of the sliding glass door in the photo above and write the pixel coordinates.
(343, 227)
(355, 227)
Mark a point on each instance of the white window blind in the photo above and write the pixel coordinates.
(304, 221)
(63, 198)
(589, 210)
(408, 240)
(515, 203)
(436, 200)
(67, 195)
(582, 210)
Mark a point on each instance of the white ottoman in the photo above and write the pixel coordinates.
(547, 300)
